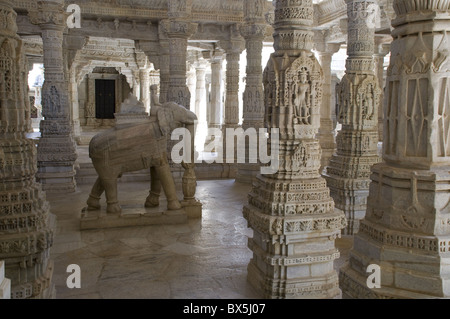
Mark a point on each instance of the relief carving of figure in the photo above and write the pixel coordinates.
(301, 105)
(368, 104)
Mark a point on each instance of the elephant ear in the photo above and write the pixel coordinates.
(165, 120)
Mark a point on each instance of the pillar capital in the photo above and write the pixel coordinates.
(233, 46)
(327, 48)
(382, 48)
(253, 31)
(176, 28)
(49, 14)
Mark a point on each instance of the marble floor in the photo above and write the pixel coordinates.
(204, 259)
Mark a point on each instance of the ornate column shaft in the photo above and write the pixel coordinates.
(326, 131)
(348, 174)
(73, 90)
(216, 113)
(253, 31)
(144, 76)
(192, 83)
(200, 103)
(291, 212)
(57, 149)
(71, 48)
(406, 230)
(164, 66)
(26, 225)
(233, 49)
(178, 33)
(382, 49)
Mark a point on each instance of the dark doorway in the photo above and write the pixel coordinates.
(105, 99)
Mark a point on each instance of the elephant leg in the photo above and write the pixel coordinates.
(94, 197)
(155, 189)
(165, 176)
(110, 186)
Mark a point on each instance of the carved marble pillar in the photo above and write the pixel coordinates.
(192, 83)
(38, 100)
(57, 149)
(253, 31)
(291, 212)
(348, 174)
(74, 101)
(26, 224)
(71, 47)
(216, 114)
(164, 67)
(406, 229)
(233, 50)
(200, 103)
(381, 50)
(178, 33)
(144, 75)
(90, 105)
(327, 130)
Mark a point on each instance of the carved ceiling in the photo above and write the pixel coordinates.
(137, 20)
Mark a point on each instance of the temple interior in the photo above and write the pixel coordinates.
(99, 199)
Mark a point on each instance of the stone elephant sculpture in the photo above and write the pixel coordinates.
(134, 147)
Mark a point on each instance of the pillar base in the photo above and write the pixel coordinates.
(193, 208)
(305, 288)
(57, 179)
(40, 288)
(294, 230)
(406, 233)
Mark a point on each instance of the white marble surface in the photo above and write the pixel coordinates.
(203, 259)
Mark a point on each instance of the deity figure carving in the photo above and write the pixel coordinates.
(301, 104)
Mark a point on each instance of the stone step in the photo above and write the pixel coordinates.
(5, 284)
